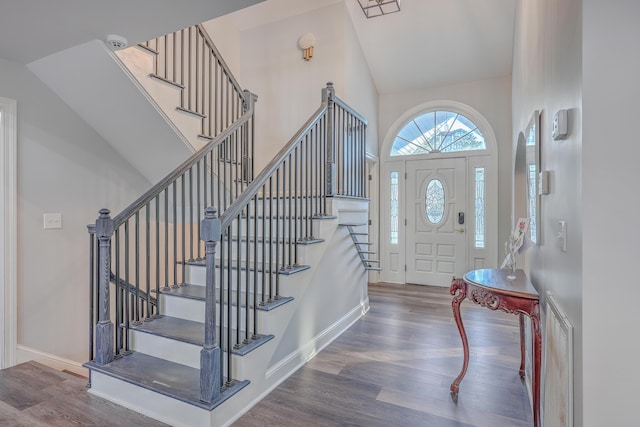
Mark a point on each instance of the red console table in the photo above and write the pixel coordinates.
(492, 289)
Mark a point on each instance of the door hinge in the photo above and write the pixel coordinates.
(405, 267)
(405, 175)
(370, 222)
(370, 177)
(405, 222)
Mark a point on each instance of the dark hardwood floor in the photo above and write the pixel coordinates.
(391, 368)
(394, 366)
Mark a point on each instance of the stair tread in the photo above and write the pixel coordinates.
(162, 376)
(197, 292)
(301, 241)
(356, 224)
(174, 328)
(292, 269)
(191, 332)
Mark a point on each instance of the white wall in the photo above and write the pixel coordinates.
(610, 154)
(547, 69)
(492, 99)
(63, 167)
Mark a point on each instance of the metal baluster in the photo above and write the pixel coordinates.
(166, 239)
(211, 95)
(223, 284)
(182, 67)
(92, 271)
(289, 253)
(192, 219)
(247, 277)
(239, 282)
(175, 234)
(136, 268)
(157, 306)
(184, 231)
(148, 261)
(277, 241)
(264, 267)
(118, 292)
(272, 243)
(199, 257)
(173, 61)
(296, 200)
(127, 306)
(230, 304)
(166, 61)
(189, 69)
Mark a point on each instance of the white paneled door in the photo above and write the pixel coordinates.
(435, 206)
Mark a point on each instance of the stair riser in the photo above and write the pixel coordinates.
(269, 251)
(196, 275)
(180, 352)
(192, 309)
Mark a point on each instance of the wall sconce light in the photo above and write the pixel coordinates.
(305, 43)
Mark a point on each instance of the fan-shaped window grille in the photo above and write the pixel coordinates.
(437, 132)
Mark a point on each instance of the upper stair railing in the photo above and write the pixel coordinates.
(189, 60)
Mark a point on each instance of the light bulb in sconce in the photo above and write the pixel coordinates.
(305, 43)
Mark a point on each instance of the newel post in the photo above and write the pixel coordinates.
(104, 328)
(210, 353)
(328, 95)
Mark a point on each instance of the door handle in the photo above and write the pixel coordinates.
(460, 230)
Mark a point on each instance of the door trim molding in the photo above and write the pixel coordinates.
(8, 242)
(486, 158)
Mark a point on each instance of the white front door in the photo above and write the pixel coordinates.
(435, 206)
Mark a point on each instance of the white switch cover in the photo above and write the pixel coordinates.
(52, 220)
(562, 235)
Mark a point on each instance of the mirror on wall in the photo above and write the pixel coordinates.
(527, 170)
(532, 146)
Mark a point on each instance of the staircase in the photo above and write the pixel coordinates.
(218, 283)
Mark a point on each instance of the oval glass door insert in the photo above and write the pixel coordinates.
(434, 203)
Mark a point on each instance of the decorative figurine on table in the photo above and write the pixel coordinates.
(515, 244)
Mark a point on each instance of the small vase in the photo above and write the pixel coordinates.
(512, 275)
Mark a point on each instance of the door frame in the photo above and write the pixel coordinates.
(8, 240)
(488, 159)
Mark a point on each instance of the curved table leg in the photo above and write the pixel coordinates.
(459, 290)
(522, 346)
(537, 359)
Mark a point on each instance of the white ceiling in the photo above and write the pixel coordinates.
(33, 29)
(429, 43)
(432, 43)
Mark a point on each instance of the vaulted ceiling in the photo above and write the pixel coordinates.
(428, 43)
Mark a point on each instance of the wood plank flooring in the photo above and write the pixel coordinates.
(394, 367)
(34, 395)
(391, 368)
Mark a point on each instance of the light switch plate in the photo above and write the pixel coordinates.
(52, 220)
(562, 235)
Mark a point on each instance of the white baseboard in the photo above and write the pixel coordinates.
(26, 354)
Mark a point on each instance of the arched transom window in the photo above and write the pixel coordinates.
(437, 132)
